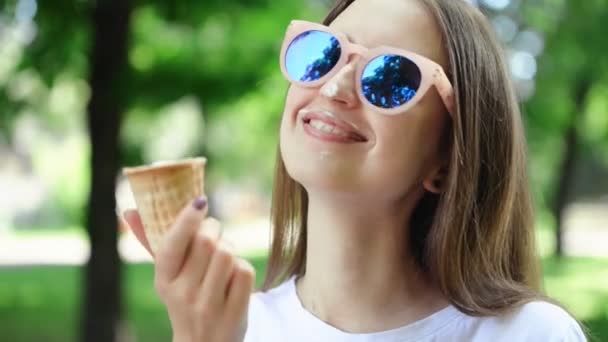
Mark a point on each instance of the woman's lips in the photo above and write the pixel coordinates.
(327, 126)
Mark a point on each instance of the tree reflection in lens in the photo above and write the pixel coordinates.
(390, 81)
(322, 66)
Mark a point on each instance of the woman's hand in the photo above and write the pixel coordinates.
(205, 288)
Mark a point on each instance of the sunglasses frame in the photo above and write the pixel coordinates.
(432, 74)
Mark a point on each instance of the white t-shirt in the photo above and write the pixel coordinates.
(278, 316)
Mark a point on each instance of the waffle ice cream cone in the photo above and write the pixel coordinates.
(162, 190)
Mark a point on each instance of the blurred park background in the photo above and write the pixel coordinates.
(87, 87)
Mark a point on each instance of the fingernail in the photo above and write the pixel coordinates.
(199, 203)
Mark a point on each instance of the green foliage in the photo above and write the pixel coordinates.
(228, 60)
(243, 139)
(574, 51)
(194, 68)
(68, 183)
(42, 303)
(62, 41)
(219, 58)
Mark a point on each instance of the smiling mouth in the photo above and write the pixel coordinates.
(326, 126)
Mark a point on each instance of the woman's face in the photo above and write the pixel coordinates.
(399, 152)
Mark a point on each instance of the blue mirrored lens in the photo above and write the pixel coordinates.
(311, 55)
(390, 81)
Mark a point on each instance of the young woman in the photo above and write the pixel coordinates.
(401, 209)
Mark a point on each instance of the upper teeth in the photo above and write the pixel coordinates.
(327, 128)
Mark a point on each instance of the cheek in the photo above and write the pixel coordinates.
(396, 158)
(296, 98)
(407, 147)
(295, 154)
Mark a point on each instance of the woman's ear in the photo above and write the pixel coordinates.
(434, 182)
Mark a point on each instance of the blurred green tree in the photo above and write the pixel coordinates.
(562, 125)
(138, 57)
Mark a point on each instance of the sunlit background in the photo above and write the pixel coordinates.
(202, 78)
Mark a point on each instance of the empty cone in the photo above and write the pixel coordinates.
(162, 190)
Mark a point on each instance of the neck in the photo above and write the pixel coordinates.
(360, 275)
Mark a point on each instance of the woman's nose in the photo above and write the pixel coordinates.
(341, 87)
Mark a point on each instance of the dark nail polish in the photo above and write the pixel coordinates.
(199, 203)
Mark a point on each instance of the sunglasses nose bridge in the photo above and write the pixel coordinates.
(356, 49)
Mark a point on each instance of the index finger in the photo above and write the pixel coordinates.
(174, 245)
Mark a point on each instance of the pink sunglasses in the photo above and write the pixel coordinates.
(390, 80)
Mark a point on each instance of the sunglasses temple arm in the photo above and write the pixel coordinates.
(445, 90)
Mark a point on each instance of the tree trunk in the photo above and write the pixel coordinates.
(569, 162)
(107, 65)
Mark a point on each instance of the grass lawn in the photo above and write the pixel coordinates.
(42, 303)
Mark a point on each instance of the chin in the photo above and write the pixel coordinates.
(314, 171)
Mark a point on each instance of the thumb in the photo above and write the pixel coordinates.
(133, 220)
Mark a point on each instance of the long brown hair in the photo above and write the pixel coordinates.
(475, 239)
